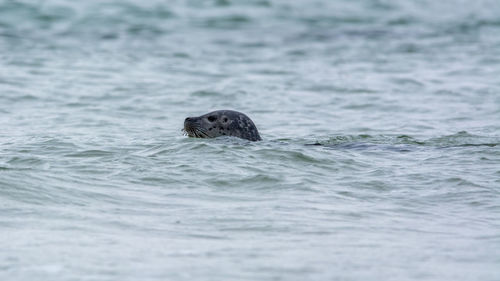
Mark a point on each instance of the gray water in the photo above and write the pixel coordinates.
(380, 157)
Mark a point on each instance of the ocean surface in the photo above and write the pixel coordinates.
(380, 157)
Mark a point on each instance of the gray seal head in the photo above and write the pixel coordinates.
(221, 123)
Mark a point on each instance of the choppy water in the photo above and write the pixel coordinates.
(97, 181)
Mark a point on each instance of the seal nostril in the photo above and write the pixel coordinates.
(188, 119)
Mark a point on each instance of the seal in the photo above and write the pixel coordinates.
(221, 123)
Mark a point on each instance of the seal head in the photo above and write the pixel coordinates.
(221, 123)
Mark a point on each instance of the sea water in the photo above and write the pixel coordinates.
(380, 157)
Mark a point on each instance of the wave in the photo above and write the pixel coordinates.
(460, 139)
(111, 19)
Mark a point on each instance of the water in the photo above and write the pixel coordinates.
(380, 158)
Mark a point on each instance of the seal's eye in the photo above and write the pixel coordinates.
(212, 118)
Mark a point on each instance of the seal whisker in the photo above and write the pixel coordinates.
(199, 132)
(202, 133)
